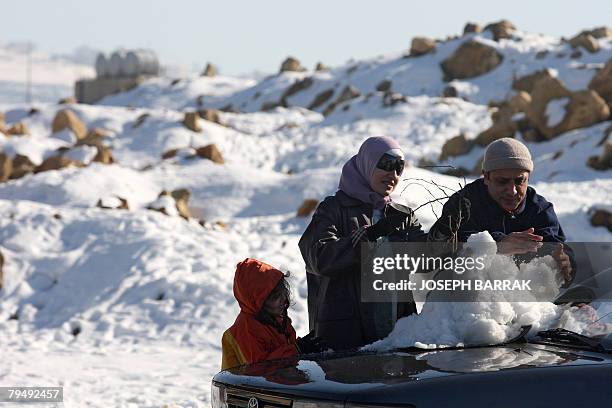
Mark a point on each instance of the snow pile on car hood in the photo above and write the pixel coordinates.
(490, 318)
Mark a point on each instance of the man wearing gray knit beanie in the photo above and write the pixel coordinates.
(503, 203)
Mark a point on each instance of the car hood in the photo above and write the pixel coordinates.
(340, 376)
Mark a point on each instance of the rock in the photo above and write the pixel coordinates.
(384, 86)
(22, 165)
(601, 32)
(520, 102)
(527, 82)
(584, 109)
(450, 92)
(192, 121)
(349, 92)
(321, 98)
(291, 65)
(501, 29)
(2, 123)
(541, 54)
(209, 71)
(181, 196)
(421, 46)
(576, 54)
(113, 203)
(210, 152)
(66, 118)
(104, 154)
(456, 146)
(200, 100)
(211, 115)
(18, 129)
(471, 59)
(94, 137)
(271, 105)
(6, 167)
(168, 154)
(308, 206)
(585, 41)
(471, 28)
(320, 67)
(67, 101)
(544, 90)
(601, 218)
(503, 126)
(604, 160)
(140, 120)
(298, 86)
(56, 163)
(496, 131)
(392, 98)
(602, 82)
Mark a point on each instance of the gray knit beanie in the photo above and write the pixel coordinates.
(507, 153)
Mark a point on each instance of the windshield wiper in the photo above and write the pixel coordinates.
(570, 338)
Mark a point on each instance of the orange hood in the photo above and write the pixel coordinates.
(253, 282)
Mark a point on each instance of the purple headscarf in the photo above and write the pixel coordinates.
(356, 173)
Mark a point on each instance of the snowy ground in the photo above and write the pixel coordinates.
(126, 308)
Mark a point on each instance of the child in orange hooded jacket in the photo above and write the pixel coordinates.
(262, 330)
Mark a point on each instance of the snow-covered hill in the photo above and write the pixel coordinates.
(108, 302)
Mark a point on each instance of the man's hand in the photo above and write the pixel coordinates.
(520, 242)
(563, 262)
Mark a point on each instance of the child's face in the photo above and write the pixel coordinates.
(276, 305)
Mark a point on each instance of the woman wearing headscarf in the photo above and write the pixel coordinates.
(361, 210)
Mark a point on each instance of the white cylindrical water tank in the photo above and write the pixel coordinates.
(141, 62)
(117, 64)
(102, 66)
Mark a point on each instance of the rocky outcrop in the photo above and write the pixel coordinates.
(22, 165)
(501, 29)
(601, 218)
(604, 160)
(18, 129)
(6, 167)
(291, 64)
(527, 82)
(192, 121)
(297, 86)
(384, 86)
(349, 92)
(456, 146)
(471, 28)
(470, 60)
(67, 101)
(211, 115)
(210, 152)
(421, 46)
(209, 71)
(602, 82)
(320, 67)
(321, 98)
(584, 108)
(56, 163)
(503, 125)
(586, 41)
(67, 119)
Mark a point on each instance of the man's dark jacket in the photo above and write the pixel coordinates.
(335, 311)
(487, 215)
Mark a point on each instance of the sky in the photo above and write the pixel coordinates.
(246, 36)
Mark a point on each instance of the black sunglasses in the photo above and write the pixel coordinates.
(389, 162)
